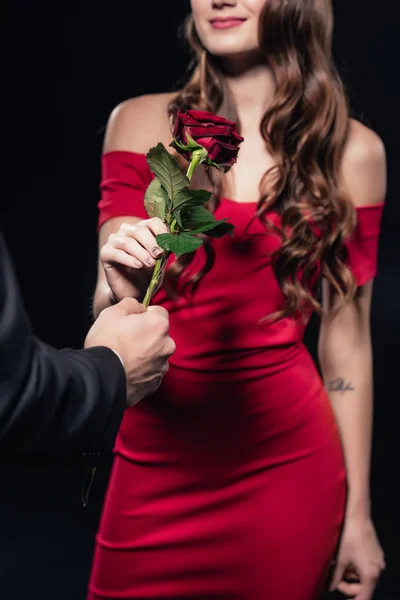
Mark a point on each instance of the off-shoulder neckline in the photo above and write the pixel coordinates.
(142, 156)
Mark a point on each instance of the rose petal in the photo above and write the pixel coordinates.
(210, 131)
(203, 115)
(213, 132)
(237, 137)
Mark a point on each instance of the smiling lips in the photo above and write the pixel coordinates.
(226, 22)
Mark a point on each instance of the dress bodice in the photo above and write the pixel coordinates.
(222, 324)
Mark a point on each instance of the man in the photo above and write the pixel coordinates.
(72, 401)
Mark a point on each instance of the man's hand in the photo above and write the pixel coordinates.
(141, 339)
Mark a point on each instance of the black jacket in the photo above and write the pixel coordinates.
(59, 402)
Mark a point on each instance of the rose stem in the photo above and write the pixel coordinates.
(155, 278)
(161, 262)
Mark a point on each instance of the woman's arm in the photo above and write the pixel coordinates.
(135, 126)
(104, 296)
(345, 351)
(345, 355)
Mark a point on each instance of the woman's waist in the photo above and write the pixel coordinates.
(232, 359)
(204, 417)
(223, 378)
(213, 327)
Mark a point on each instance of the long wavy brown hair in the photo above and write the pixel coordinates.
(305, 130)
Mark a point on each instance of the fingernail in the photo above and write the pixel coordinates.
(150, 261)
(156, 251)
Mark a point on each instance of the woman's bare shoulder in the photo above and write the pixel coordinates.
(139, 123)
(364, 165)
(363, 142)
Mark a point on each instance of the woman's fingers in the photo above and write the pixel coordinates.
(121, 251)
(369, 580)
(145, 233)
(337, 575)
(155, 225)
(111, 255)
(359, 588)
(134, 246)
(349, 589)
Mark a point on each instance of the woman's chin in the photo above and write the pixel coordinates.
(230, 49)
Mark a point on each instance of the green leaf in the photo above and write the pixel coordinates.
(156, 201)
(210, 226)
(168, 170)
(178, 217)
(196, 216)
(179, 244)
(186, 198)
(221, 228)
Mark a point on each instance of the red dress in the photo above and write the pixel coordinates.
(229, 482)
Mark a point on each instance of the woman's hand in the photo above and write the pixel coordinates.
(129, 257)
(360, 560)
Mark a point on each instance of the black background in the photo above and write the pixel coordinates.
(65, 67)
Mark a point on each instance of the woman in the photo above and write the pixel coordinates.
(230, 482)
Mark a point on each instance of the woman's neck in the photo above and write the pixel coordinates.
(252, 90)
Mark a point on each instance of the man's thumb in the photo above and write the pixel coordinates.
(130, 306)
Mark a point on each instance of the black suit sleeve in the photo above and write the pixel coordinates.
(64, 402)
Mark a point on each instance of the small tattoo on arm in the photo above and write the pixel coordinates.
(339, 385)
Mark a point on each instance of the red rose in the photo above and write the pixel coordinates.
(199, 128)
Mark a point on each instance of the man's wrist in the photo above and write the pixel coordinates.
(119, 356)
